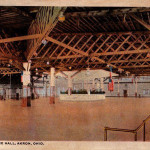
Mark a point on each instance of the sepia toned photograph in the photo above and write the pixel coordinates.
(74, 73)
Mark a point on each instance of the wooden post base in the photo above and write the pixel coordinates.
(24, 102)
(52, 100)
(69, 91)
(135, 94)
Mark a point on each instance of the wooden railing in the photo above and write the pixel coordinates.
(143, 124)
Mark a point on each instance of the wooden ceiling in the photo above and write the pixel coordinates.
(93, 37)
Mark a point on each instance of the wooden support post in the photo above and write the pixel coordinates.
(69, 85)
(93, 84)
(52, 84)
(26, 100)
(46, 89)
(136, 87)
(118, 88)
(32, 90)
(102, 84)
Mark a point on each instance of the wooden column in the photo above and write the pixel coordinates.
(83, 84)
(4, 94)
(32, 89)
(93, 84)
(136, 87)
(26, 94)
(102, 84)
(46, 89)
(69, 85)
(52, 86)
(88, 87)
(118, 88)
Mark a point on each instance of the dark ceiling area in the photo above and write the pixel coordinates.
(94, 37)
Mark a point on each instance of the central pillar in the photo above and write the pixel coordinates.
(46, 89)
(93, 84)
(32, 89)
(118, 88)
(69, 85)
(102, 84)
(52, 86)
(136, 87)
(26, 94)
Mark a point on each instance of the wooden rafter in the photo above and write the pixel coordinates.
(92, 45)
(45, 21)
(106, 12)
(121, 52)
(135, 66)
(103, 33)
(20, 38)
(67, 46)
(105, 49)
(18, 11)
(146, 25)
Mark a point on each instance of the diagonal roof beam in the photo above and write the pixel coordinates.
(67, 46)
(146, 25)
(103, 62)
(121, 52)
(130, 60)
(136, 66)
(20, 38)
(103, 33)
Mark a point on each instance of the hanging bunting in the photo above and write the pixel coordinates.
(111, 82)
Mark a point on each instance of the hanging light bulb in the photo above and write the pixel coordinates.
(44, 42)
(36, 69)
(10, 61)
(148, 55)
(47, 62)
(70, 67)
(61, 17)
